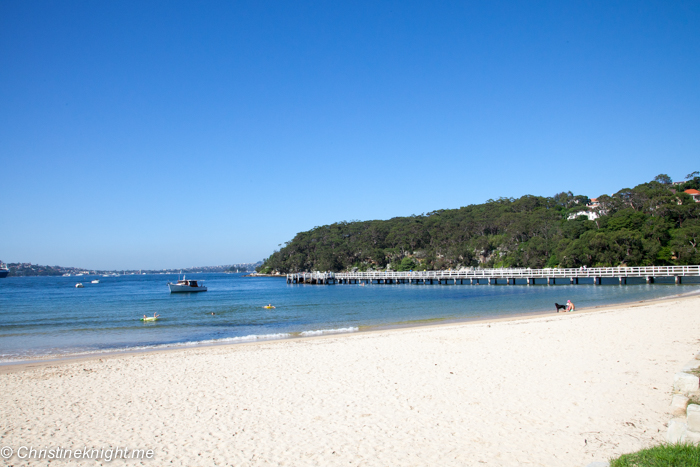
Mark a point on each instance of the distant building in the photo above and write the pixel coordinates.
(695, 194)
(591, 211)
(591, 215)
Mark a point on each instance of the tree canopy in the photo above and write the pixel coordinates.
(654, 223)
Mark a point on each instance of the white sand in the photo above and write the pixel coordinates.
(561, 390)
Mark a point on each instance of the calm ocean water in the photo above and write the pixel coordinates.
(47, 316)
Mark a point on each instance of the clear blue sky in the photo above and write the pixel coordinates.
(142, 134)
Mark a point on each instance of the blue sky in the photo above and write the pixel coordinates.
(174, 134)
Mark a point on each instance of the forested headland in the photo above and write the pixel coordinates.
(655, 223)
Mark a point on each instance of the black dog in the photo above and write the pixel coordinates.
(560, 307)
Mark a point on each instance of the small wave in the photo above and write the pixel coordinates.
(228, 340)
(68, 353)
(328, 331)
(252, 337)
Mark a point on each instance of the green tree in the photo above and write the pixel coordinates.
(685, 243)
(664, 179)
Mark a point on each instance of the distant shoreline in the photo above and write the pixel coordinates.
(265, 275)
(35, 270)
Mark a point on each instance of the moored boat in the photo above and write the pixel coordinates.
(185, 285)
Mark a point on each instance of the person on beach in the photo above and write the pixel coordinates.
(570, 305)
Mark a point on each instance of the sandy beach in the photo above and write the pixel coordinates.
(556, 390)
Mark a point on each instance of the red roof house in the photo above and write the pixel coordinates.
(695, 194)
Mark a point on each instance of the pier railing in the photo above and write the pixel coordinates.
(524, 273)
(648, 272)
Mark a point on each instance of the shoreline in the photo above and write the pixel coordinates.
(537, 390)
(24, 365)
(283, 276)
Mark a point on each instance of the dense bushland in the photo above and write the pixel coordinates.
(655, 223)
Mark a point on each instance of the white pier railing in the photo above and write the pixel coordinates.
(510, 274)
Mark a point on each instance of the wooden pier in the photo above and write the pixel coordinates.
(505, 276)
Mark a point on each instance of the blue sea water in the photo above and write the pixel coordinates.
(48, 317)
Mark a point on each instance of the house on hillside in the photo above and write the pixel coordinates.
(695, 194)
(591, 211)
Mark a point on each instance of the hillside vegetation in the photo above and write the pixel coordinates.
(655, 223)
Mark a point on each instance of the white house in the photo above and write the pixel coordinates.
(590, 212)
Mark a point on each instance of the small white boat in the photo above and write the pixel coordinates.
(95, 281)
(79, 285)
(185, 285)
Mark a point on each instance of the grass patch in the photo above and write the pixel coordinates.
(666, 455)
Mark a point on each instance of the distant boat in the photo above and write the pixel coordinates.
(79, 285)
(3, 271)
(95, 281)
(185, 285)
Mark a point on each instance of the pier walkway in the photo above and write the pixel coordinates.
(504, 276)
